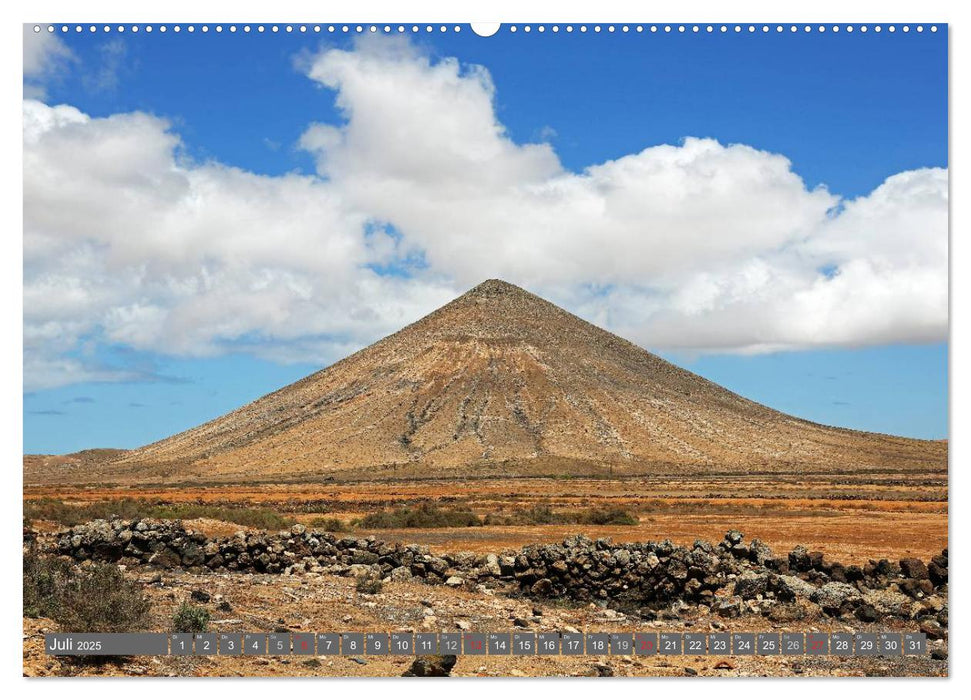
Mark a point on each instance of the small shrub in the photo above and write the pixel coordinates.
(44, 582)
(536, 515)
(103, 600)
(329, 524)
(422, 516)
(544, 515)
(191, 618)
(369, 583)
(100, 599)
(609, 516)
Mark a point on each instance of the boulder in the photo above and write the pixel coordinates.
(542, 588)
(937, 571)
(750, 586)
(729, 607)
(917, 588)
(799, 559)
(787, 612)
(913, 568)
(490, 566)
(789, 588)
(888, 601)
(759, 552)
(734, 537)
(431, 667)
(401, 574)
(867, 613)
(835, 597)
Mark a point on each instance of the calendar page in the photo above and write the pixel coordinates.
(543, 349)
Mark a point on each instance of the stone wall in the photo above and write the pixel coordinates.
(731, 578)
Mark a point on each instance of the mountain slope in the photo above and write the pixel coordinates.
(501, 381)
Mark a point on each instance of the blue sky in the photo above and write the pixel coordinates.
(848, 111)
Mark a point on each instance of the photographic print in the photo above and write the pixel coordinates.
(515, 350)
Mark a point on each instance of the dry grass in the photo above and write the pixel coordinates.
(851, 517)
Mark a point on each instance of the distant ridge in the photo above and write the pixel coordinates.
(500, 381)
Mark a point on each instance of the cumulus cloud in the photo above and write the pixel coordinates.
(127, 242)
(698, 245)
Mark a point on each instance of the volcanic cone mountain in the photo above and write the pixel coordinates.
(500, 381)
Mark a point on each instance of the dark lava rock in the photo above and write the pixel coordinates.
(603, 670)
(816, 561)
(917, 588)
(937, 572)
(933, 629)
(543, 587)
(431, 667)
(729, 607)
(834, 597)
(799, 559)
(748, 587)
(787, 613)
(867, 613)
(200, 596)
(913, 568)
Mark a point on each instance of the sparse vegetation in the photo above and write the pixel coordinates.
(329, 524)
(44, 582)
(607, 516)
(73, 514)
(99, 599)
(544, 515)
(422, 516)
(427, 515)
(534, 515)
(191, 618)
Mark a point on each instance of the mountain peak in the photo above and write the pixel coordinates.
(503, 380)
(496, 288)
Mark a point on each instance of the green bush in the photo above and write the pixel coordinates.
(424, 515)
(99, 599)
(191, 618)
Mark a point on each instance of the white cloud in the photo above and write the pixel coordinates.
(699, 245)
(128, 242)
(703, 245)
(45, 56)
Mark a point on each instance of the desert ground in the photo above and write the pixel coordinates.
(313, 603)
(849, 518)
